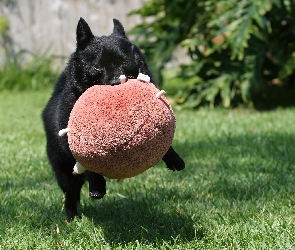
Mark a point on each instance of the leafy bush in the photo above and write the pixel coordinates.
(241, 51)
(20, 73)
(32, 75)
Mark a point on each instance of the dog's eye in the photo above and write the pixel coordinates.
(126, 62)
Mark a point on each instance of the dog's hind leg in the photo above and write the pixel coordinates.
(71, 186)
(97, 185)
(173, 160)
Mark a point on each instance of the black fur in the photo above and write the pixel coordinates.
(97, 60)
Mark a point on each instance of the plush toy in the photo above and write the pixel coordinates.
(122, 130)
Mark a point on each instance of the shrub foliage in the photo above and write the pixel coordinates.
(35, 74)
(241, 51)
(23, 70)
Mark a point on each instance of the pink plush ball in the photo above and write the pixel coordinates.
(120, 131)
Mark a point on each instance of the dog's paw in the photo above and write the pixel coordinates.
(175, 164)
(71, 215)
(97, 194)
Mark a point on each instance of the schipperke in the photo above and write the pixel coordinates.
(96, 60)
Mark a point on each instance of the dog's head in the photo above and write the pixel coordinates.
(101, 60)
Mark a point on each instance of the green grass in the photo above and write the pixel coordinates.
(237, 191)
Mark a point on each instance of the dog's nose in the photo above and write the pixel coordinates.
(115, 81)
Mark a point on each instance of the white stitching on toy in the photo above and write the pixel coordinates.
(63, 132)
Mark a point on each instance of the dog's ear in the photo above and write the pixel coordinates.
(119, 29)
(83, 34)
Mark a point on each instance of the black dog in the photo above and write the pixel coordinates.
(97, 60)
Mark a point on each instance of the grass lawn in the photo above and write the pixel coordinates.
(237, 191)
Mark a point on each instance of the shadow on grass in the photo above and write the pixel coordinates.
(127, 220)
(145, 218)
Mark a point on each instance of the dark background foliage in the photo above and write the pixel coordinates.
(242, 52)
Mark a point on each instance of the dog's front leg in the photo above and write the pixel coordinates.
(173, 160)
(97, 185)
